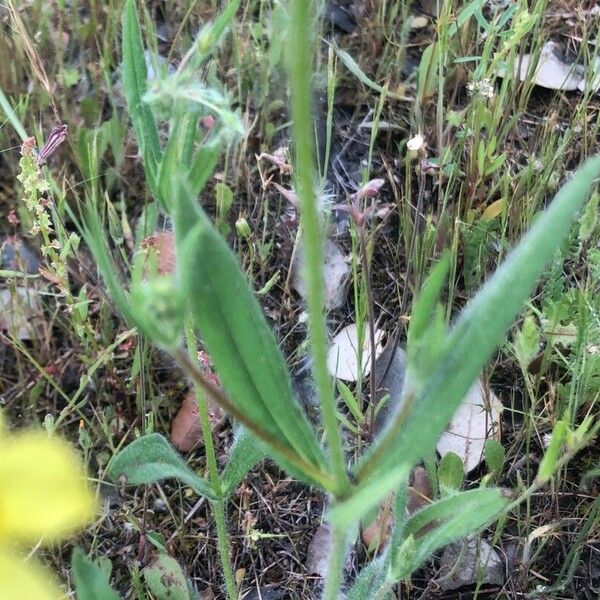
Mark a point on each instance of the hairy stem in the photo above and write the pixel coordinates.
(300, 73)
(335, 565)
(218, 506)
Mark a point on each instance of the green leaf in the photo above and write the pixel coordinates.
(480, 328)
(453, 518)
(589, 220)
(159, 309)
(493, 452)
(428, 299)
(450, 473)
(548, 463)
(243, 349)
(94, 235)
(428, 72)
(527, 341)
(135, 86)
(473, 7)
(246, 452)
(350, 401)
(195, 96)
(366, 496)
(176, 153)
(166, 580)
(353, 67)
(427, 328)
(224, 196)
(204, 164)
(211, 34)
(370, 580)
(151, 458)
(91, 581)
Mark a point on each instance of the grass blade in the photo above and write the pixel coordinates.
(135, 86)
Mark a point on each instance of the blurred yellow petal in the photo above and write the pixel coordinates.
(43, 492)
(25, 580)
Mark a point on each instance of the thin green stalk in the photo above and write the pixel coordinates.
(300, 62)
(335, 564)
(371, 316)
(11, 115)
(224, 546)
(218, 506)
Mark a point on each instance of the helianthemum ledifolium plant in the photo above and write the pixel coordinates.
(210, 295)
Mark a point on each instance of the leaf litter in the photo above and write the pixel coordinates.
(343, 359)
(336, 271)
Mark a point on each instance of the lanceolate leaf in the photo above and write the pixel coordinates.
(135, 77)
(151, 458)
(453, 518)
(480, 328)
(245, 454)
(204, 164)
(243, 349)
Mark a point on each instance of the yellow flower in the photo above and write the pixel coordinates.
(43, 498)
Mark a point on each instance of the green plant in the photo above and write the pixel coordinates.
(210, 287)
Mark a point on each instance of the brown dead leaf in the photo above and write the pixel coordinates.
(186, 432)
(21, 312)
(420, 492)
(377, 534)
(160, 247)
(49, 276)
(477, 418)
(336, 273)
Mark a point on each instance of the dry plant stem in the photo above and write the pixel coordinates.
(300, 67)
(218, 506)
(335, 564)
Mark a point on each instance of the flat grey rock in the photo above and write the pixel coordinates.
(470, 561)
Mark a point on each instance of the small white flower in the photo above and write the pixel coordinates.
(483, 88)
(416, 143)
(538, 165)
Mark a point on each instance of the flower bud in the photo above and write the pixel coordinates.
(242, 227)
